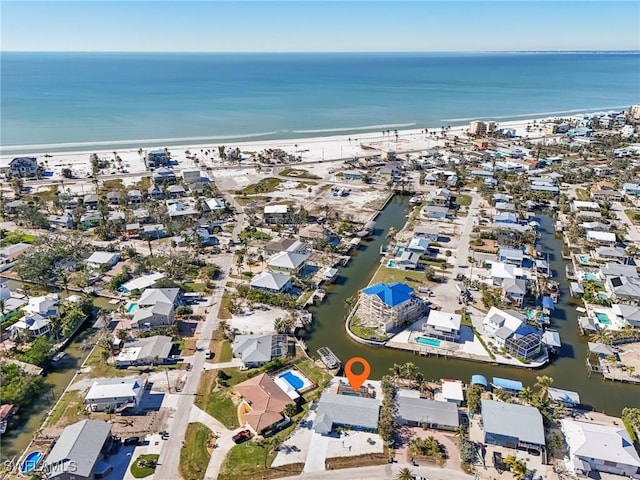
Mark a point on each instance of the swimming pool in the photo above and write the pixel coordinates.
(603, 318)
(295, 379)
(400, 250)
(391, 264)
(30, 462)
(132, 307)
(590, 276)
(432, 342)
(583, 259)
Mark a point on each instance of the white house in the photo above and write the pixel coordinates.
(442, 325)
(509, 329)
(114, 393)
(601, 448)
(256, 350)
(418, 245)
(97, 259)
(46, 305)
(602, 238)
(287, 262)
(501, 271)
(272, 282)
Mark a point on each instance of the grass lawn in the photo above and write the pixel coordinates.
(194, 457)
(146, 470)
(315, 374)
(634, 216)
(99, 368)
(388, 275)
(243, 201)
(299, 173)
(266, 185)
(66, 410)
(365, 332)
(225, 303)
(247, 461)
(226, 354)
(11, 238)
(217, 404)
(583, 194)
(463, 200)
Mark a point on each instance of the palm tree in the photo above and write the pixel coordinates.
(517, 467)
(527, 395)
(543, 383)
(55, 327)
(602, 336)
(3, 307)
(404, 474)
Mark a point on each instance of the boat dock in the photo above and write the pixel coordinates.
(329, 358)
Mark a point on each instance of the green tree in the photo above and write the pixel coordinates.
(404, 474)
(517, 467)
(39, 353)
(284, 325)
(543, 383)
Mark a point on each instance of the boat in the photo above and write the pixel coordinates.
(58, 356)
(417, 200)
(329, 358)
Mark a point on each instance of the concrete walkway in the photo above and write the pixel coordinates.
(317, 453)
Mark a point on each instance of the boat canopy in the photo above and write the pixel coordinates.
(507, 384)
(479, 380)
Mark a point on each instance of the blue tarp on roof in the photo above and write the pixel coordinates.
(547, 302)
(391, 294)
(479, 380)
(507, 384)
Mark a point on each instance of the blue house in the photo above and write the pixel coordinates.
(580, 132)
(352, 175)
(631, 189)
(388, 306)
(513, 256)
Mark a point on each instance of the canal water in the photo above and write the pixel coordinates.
(21, 431)
(568, 370)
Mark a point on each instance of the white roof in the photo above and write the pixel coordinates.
(505, 318)
(276, 208)
(452, 390)
(41, 304)
(579, 204)
(113, 388)
(286, 388)
(287, 260)
(505, 270)
(271, 281)
(143, 281)
(601, 236)
(444, 320)
(609, 443)
(102, 257)
(418, 242)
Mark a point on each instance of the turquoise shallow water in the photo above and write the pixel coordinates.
(52, 98)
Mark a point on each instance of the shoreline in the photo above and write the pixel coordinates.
(289, 138)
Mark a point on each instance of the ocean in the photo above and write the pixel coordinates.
(77, 100)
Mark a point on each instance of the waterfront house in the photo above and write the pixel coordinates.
(602, 238)
(292, 245)
(514, 291)
(45, 305)
(271, 282)
(614, 254)
(434, 212)
(11, 304)
(596, 226)
(114, 394)
(418, 245)
(155, 308)
(113, 197)
(442, 325)
(23, 167)
(157, 158)
(452, 391)
(314, 233)
(10, 254)
(600, 448)
(164, 175)
(191, 175)
(505, 217)
(263, 402)
(407, 260)
(513, 256)
(440, 197)
(30, 326)
(429, 233)
(97, 259)
(287, 262)
(422, 412)
(611, 269)
(278, 214)
(154, 350)
(512, 425)
(504, 271)
(353, 412)
(566, 398)
(256, 350)
(78, 453)
(623, 288)
(390, 305)
(626, 314)
(509, 329)
(134, 197)
(631, 189)
(141, 282)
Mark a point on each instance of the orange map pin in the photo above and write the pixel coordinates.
(357, 379)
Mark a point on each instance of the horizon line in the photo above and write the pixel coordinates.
(327, 51)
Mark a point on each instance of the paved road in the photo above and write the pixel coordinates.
(632, 230)
(382, 472)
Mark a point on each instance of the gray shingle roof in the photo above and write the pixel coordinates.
(429, 411)
(334, 409)
(81, 444)
(513, 420)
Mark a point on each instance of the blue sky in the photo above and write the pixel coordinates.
(243, 26)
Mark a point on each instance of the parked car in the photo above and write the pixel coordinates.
(131, 441)
(241, 436)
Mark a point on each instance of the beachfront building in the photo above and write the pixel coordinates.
(163, 175)
(23, 167)
(442, 325)
(256, 350)
(78, 452)
(512, 425)
(157, 158)
(353, 412)
(600, 448)
(114, 394)
(389, 306)
(191, 175)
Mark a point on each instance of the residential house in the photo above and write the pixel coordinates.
(132, 230)
(605, 191)
(452, 391)
(286, 262)
(601, 238)
(23, 167)
(279, 214)
(512, 425)
(154, 350)
(626, 314)
(264, 403)
(114, 394)
(418, 245)
(271, 282)
(97, 259)
(407, 260)
(616, 270)
(501, 197)
(191, 175)
(513, 256)
(10, 254)
(580, 205)
(215, 204)
(431, 179)
(443, 325)
(421, 412)
(155, 308)
(353, 174)
(390, 305)
(152, 232)
(113, 198)
(314, 233)
(505, 207)
(431, 234)
(176, 191)
(90, 201)
(142, 282)
(46, 305)
(504, 271)
(157, 158)
(623, 288)
(155, 193)
(30, 326)
(14, 206)
(292, 245)
(116, 217)
(90, 220)
(440, 197)
(256, 350)
(505, 217)
(134, 197)
(595, 226)
(178, 209)
(514, 291)
(434, 212)
(631, 189)
(78, 452)
(164, 175)
(352, 412)
(600, 448)
(566, 398)
(613, 254)
(509, 329)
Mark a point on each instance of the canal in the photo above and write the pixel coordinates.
(568, 370)
(28, 421)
